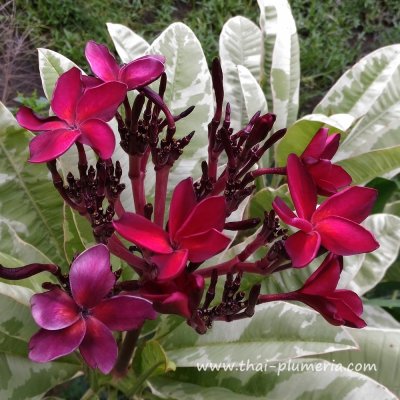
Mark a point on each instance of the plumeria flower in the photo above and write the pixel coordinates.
(180, 296)
(85, 318)
(81, 116)
(334, 224)
(194, 231)
(137, 73)
(337, 306)
(329, 178)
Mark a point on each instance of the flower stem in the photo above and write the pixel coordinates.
(161, 194)
(125, 353)
(136, 175)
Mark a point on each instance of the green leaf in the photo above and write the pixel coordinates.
(37, 214)
(282, 59)
(373, 267)
(299, 135)
(367, 166)
(377, 317)
(370, 92)
(128, 44)
(393, 208)
(378, 348)
(277, 331)
(307, 380)
(51, 66)
(388, 303)
(240, 43)
(386, 189)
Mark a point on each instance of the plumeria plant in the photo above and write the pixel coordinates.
(196, 227)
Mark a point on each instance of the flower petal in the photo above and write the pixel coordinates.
(66, 94)
(123, 312)
(288, 216)
(345, 237)
(101, 61)
(210, 213)
(182, 203)
(28, 120)
(98, 135)
(354, 203)
(302, 248)
(54, 309)
(316, 146)
(142, 71)
(90, 277)
(302, 188)
(170, 265)
(325, 278)
(101, 101)
(47, 345)
(331, 146)
(204, 245)
(350, 307)
(176, 303)
(99, 348)
(144, 233)
(49, 145)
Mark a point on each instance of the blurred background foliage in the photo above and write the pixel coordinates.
(333, 34)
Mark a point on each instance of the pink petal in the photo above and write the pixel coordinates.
(344, 237)
(28, 120)
(100, 102)
(101, 61)
(210, 213)
(325, 278)
(47, 345)
(176, 303)
(90, 276)
(141, 71)
(302, 247)
(204, 245)
(351, 299)
(99, 348)
(289, 217)
(144, 233)
(66, 95)
(123, 312)
(98, 135)
(302, 188)
(354, 203)
(331, 146)
(90, 81)
(170, 265)
(349, 307)
(317, 144)
(54, 309)
(182, 203)
(49, 145)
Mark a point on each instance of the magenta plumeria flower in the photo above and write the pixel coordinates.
(334, 225)
(85, 318)
(337, 306)
(194, 231)
(329, 178)
(137, 73)
(81, 116)
(180, 296)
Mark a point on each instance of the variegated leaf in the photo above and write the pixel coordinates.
(370, 92)
(277, 331)
(295, 380)
(129, 45)
(36, 214)
(240, 43)
(282, 59)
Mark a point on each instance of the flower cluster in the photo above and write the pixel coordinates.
(174, 244)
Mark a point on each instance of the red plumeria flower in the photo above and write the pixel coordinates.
(334, 224)
(85, 318)
(81, 116)
(137, 73)
(180, 296)
(337, 306)
(194, 231)
(329, 178)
